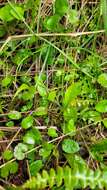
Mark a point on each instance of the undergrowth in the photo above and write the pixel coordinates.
(53, 97)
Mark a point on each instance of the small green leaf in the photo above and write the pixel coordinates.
(91, 116)
(7, 154)
(102, 79)
(13, 168)
(29, 94)
(17, 12)
(4, 171)
(70, 113)
(29, 138)
(41, 111)
(52, 95)
(5, 14)
(73, 16)
(105, 122)
(15, 115)
(101, 106)
(46, 150)
(10, 124)
(11, 12)
(70, 146)
(6, 81)
(100, 146)
(61, 7)
(32, 136)
(21, 88)
(35, 167)
(42, 90)
(27, 122)
(51, 22)
(10, 168)
(69, 128)
(52, 132)
(20, 150)
(71, 93)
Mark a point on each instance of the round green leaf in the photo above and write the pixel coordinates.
(101, 106)
(51, 22)
(15, 115)
(29, 137)
(61, 7)
(102, 79)
(19, 151)
(6, 81)
(70, 146)
(27, 122)
(7, 154)
(52, 132)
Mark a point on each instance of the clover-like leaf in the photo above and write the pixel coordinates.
(70, 146)
(19, 151)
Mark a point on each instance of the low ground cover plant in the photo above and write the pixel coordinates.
(53, 94)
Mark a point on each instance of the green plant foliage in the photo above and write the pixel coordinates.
(69, 127)
(70, 112)
(10, 168)
(79, 175)
(10, 124)
(41, 88)
(71, 93)
(70, 146)
(7, 154)
(19, 151)
(101, 106)
(6, 81)
(73, 16)
(2, 31)
(9, 13)
(35, 167)
(100, 146)
(21, 56)
(52, 95)
(102, 79)
(105, 122)
(15, 115)
(27, 122)
(52, 22)
(61, 7)
(41, 111)
(92, 116)
(32, 136)
(21, 88)
(104, 12)
(46, 150)
(52, 132)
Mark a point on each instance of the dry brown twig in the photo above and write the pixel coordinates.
(75, 34)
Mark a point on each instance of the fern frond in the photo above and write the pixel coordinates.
(78, 177)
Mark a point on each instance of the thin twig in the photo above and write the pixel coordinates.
(72, 34)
